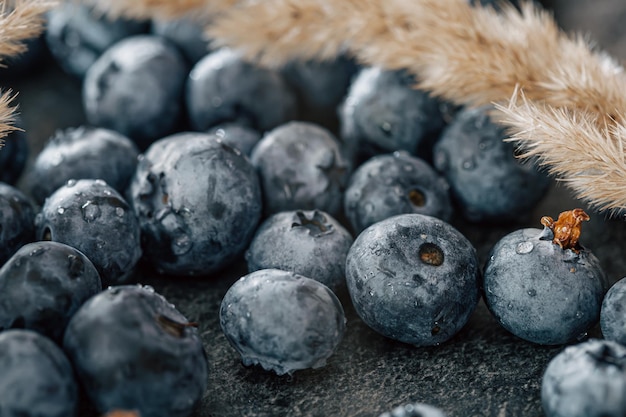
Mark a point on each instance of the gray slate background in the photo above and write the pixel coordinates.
(484, 371)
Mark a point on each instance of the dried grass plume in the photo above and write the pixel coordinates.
(564, 101)
(20, 20)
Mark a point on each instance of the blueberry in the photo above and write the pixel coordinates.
(17, 216)
(198, 201)
(14, 153)
(136, 87)
(237, 136)
(283, 321)
(42, 285)
(95, 219)
(77, 153)
(301, 167)
(133, 350)
(488, 182)
(320, 86)
(391, 184)
(37, 378)
(413, 278)
(613, 313)
(414, 410)
(187, 34)
(541, 292)
(586, 380)
(383, 112)
(309, 243)
(77, 35)
(222, 87)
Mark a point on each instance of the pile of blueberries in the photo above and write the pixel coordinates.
(321, 176)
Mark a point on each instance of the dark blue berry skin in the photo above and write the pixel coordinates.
(488, 183)
(237, 136)
(383, 112)
(586, 380)
(198, 201)
(413, 278)
(13, 155)
(95, 219)
(42, 285)
(133, 350)
(301, 167)
(77, 35)
(136, 88)
(186, 34)
(282, 321)
(17, 216)
(541, 292)
(310, 243)
(37, 378)
(77, 153)
(414, 410)
(391, 184)
(613, 313)
(222, 88)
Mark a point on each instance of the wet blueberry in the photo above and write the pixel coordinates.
(77, 153)
(77, 35)
(222, 88)
(613, 313)
(133, 350)
(237, 136)
(95, 219)
(383, 112)
(198, 201)
(414, 410)
(488, 182)
(17, 216)
(301, 167)
(42, 285)
(391, 184)
(309, 243)
(187, 34)
(413, 278)
(136, 88)
(37, 378)
(586, 380)
(283, 321)
(13, 155)
(540, 291)
(320, 86)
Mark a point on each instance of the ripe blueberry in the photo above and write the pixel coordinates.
(42, 285)
(282, 321)
(309, 243)
(413, 278)
(613, 313)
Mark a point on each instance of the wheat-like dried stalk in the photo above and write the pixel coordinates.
(20, 20)
(572, 115)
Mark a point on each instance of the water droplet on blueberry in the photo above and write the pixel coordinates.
(70, 183)
(532, 292)
(119, 212)
(524, 247)
(469, 164)
(181, 245)
(61, 210)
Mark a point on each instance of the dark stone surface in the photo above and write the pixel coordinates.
(484, 371)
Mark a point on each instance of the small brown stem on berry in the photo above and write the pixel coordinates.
(567, 228)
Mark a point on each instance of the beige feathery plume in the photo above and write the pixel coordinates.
(20, 20)
(571, 115)
(588, 157)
